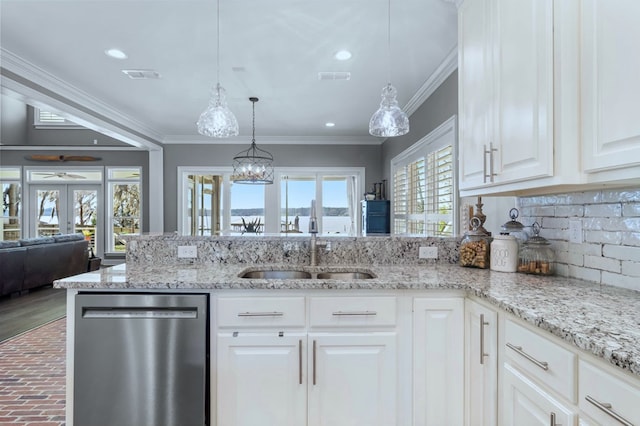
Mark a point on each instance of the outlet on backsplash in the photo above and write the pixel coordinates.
(575, 231)
(187, 252)
(428, 253)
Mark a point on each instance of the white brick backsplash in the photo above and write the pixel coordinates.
(631, 269)
(562, 269)
(586, 274)
(549, 211)
(569, 211)
(621, 252)
(584, 198)
(631, 210)
(631, 239)
(603, 210)
(556, 223)
(575, 259)
(630, 224)
(624, 196)
(555, 234)
(619, 280)
(586, 248)
(603, 237)
(610, 219)
(615, 224)
(602, 263)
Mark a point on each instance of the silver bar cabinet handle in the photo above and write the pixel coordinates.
(518, 349)
(484, 163)
(489, 152)
(552, 419)
(606, 407)
(354, 313)
(482, 324)
(314, 362)
(300, 361)
(260, 314)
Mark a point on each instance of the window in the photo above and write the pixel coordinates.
(125, 210)
(49, 120)
(424, 185)
(282, 208)
(10, 225)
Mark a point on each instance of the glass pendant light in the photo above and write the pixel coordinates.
(217, 120)
(253, 165)
(389, 120)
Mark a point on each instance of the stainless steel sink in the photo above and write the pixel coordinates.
(344, 275)
(277, 275)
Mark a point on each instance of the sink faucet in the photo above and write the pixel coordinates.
(313, 230)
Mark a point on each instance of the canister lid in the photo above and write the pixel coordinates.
(475, 228)
(513, 225)
(504, 237)
(536, 239)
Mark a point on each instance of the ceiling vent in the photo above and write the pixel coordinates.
(334, 75)
(142, 74)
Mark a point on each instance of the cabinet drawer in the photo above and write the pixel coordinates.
(543, 360)
(352, 311)
(249, 312)
(606, 398)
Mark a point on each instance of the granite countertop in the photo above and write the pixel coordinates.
(599, 319)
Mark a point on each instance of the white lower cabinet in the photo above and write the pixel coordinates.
(526, 404)
(481, 362)
(262, 379)
(352, 379)
(438, 361)
(607, 398)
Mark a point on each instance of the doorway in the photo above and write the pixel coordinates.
(66, 209)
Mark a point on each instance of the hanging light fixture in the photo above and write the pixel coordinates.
(253, 165)
(389, 120)
(217, 120)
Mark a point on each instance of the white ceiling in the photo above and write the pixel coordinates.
(269, 49)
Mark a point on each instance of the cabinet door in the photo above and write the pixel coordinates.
(523, 95)
(525, 404)
(475, 91)
(261, 380)
(610, 84)
(482, 365)
(352, 379)
(438, 361)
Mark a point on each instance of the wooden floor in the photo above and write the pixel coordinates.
(22, 313)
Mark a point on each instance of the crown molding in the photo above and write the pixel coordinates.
(68, 148)
(276, 140)
(444, 70)
(45, 89)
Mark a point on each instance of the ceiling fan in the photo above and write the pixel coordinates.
(41, 157)
(61, 175)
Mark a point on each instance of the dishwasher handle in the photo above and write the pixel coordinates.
(140, 313)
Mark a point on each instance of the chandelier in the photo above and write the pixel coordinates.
(389, 120)
(217, 120)
(253, 165)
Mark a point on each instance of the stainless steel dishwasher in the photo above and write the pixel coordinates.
(141, 359)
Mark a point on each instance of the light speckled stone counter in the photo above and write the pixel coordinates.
(599, 319)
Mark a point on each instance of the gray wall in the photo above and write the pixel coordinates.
(441, 105)
(367, 156)
(13, 121)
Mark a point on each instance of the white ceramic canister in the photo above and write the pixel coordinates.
(504, 253)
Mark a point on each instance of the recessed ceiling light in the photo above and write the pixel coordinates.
(343, 55)
(330, 124)
(116, 54)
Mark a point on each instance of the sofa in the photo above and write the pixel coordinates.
(34, 262)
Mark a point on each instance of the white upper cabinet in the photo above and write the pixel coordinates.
(610, 91)
(506, 91)
(548, 95)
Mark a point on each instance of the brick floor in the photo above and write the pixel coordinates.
(32, 377)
